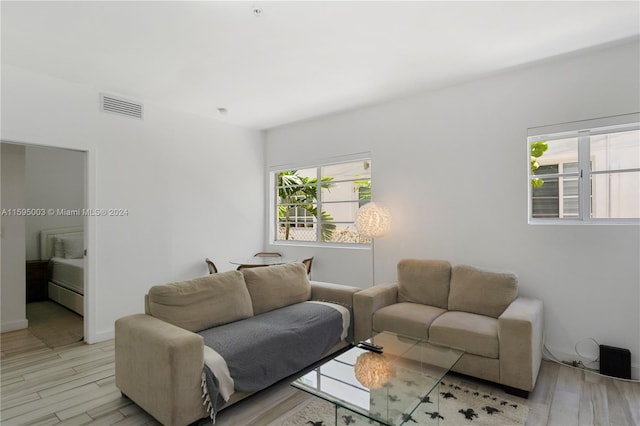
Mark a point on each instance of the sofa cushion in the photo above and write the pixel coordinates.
(202, 302)
(424, 281)
(476, 334)
(481, 292)
(409, 319)
(273, 287)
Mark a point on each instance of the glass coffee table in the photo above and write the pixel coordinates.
(384, 387)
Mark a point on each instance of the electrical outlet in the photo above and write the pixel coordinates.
(575, 363)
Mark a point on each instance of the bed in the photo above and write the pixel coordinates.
(64, 249)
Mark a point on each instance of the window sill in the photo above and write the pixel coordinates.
(350, 246)
(589, 222)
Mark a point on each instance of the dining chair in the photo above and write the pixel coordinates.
(211, 266)
(249, 266)
(267, 254)
(307, 263)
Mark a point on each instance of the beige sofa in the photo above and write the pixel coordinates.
(464, 307)
(160, 356)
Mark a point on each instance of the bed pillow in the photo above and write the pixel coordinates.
(58, 247)
(73, 247)
(201, 303)
(274, 287)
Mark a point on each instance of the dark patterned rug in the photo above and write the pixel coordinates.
(457, 405)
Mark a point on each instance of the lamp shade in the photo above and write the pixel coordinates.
(373, 220)
(372, 370)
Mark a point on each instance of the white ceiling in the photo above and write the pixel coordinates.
(298, 59)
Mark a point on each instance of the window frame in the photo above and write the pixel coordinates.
(582, 130)
(562, 176)
(272, 206)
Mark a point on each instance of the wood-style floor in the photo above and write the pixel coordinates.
(75, 385)
(50, 325)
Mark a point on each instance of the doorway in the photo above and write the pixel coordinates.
(53, 261)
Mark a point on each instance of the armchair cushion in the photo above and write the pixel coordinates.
(481, 292)
(411, 319)
(277, 286)
(476, 334)
(202, 302)
(424, 281)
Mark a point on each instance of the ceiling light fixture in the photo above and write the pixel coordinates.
(258, 12)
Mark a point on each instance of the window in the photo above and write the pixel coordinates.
(319, 204)
(589, 174)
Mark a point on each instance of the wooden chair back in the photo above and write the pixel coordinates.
(307, 263)
(267, 254)
(211, 266)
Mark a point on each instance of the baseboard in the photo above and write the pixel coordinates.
(565, 356)
(13, 325)
(99, 336)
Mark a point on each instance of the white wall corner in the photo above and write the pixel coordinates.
(14, 325)
(99, 336)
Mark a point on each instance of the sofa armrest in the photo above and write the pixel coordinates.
(159, 366)
(520, 329)
(328, 292)
(367, 302)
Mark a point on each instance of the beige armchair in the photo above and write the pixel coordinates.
(468, 308)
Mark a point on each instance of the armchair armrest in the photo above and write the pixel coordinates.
(367, 302)
(520, 329)
(159, 366)
(329, 292)
(336, 293)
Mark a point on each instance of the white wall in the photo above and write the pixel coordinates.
(12, 287)
(193, 187)
(54, 180)
(434, 165)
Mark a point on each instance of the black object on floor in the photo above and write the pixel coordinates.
(615, 362)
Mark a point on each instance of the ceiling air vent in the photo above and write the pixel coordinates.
(121, 106)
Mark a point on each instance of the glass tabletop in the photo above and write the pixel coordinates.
(384, 387)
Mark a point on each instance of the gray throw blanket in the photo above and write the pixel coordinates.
(268, 347)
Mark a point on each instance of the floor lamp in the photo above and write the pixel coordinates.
(373, 220)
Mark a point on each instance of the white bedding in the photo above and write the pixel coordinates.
(67, 273)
